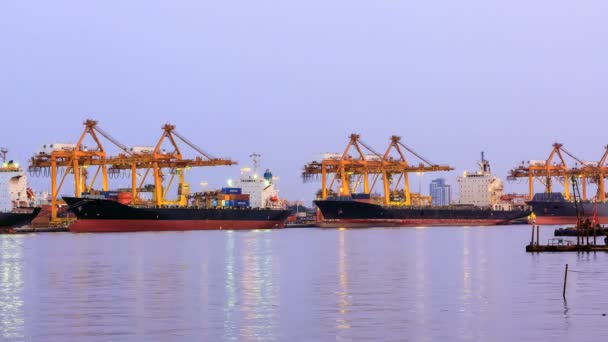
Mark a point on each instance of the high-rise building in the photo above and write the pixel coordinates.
(440, 192)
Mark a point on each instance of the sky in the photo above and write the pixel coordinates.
(292, 79)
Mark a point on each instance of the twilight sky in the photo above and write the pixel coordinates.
(291, 79)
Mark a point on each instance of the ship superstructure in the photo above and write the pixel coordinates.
(15, 198)
(480, 188)
(260, 188)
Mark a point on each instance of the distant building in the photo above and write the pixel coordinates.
(480, 188)
(440, 192)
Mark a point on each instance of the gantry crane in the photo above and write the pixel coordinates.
(596, 173)
(76, 158)
(361, 169)
(547, 170)
(158, 160)
(602, 168)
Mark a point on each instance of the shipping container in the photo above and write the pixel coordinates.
(240, 203)
(142, 149)
(360, 196)
(237, 197)
(240, 197)
(231, 190)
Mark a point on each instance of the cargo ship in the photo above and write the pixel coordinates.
(251, 203)
(480, 204)
(16, 200)
(353, 213)
(552, 209)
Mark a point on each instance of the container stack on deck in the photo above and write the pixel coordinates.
(233, 197)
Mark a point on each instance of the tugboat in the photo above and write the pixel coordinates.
(16, 199)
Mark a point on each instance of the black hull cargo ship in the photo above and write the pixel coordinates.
(553, 209)
(350, 213)
(102, 215)
(18, 217)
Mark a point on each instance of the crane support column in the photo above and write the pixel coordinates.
(601, 188)
(531, 185)
(584, 181)
(158, 185)
(76, 171)
(406, 189)
(104, 178)
(566, 188)
(387, 190)
(183, 199)
(345, 186)
(133, 182)
(53, 188)
(323, 182)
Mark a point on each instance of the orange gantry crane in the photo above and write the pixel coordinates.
(555, 168)
(161, 162)
(602, 173)
(596, 173)
(359, 168)
(60, 160)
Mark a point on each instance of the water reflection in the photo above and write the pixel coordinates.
(11, 288)
(342, 321)
(230, 289)
(439, 284)
(258, 286)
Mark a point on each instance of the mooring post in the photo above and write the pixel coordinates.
(537, 235)
(565, 280)
(532, 238)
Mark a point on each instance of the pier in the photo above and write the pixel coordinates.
(563, 245)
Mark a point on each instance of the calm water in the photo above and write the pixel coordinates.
(431, 284)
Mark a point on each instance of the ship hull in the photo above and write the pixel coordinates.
(564, 212)
(104, 216)
(355, 214)
(16, 219)
(112, 226)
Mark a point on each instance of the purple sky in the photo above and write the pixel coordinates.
(291, 79)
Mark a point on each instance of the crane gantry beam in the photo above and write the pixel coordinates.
(76, 158)
(355, 162)
(557, 168)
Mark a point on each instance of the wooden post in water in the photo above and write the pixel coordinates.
(565, 280)
(537, 235)
(532, 238)
(594, 235)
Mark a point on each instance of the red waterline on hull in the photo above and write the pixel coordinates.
(116, 226)
(407, 223)
(554, 220)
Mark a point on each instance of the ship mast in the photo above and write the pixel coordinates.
(3, 152)
(484, 165)
(255, 157)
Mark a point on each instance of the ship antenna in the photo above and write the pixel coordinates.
(255, 157)
(3, 152)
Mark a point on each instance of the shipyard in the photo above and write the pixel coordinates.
(303, 171)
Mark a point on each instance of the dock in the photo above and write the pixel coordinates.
(563, 245)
